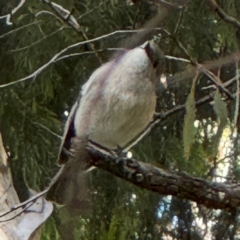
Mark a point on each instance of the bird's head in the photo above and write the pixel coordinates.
(156, 56)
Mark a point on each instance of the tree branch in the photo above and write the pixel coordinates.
(217, 82)
(190, 72)
(38, 41)
(8, 16)
(56, 56)
(210, 194)
(67, 17)
(17, 29)
(213, 4)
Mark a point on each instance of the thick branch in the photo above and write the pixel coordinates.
(19, 221)
(210, 194)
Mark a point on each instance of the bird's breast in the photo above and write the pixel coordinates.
(119, 103)
(117, 117)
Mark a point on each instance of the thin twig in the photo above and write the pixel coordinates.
(168, 4)
(86, 13)
(8, 16)
(225, 84)
(217, 82)
(64, 14)
(48, 130)
(118, 49)
(33, 198)
(150, 127)
(46, 12)
(189, 72)
(67, 17)
(55, 57)
(88, 52)
(25, 207)
(180, 17)
(38, 41)
(17, 29)
(180, 45)
(213, 4)
(159, 116)
(182, 107)
(177, 59)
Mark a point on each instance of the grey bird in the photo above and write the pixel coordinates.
(115, 105)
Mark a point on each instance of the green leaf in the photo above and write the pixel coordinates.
(34, 106)
(22, 16)
(220, 109)
(189, 129)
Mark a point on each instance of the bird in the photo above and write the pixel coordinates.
(115, 105)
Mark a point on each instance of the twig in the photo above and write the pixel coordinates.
(32, 199)
(158, 117)
(225, 84)
(182, 107)
(189, 72)
(55, 57)
(64, 14)
(168, 4)
(38, 41)
(151, 126)
(46, 12)
(213, 4)
(26, 206)
(116, 49)
(193, 62)
(88, 52)
(48, 130)
(8, 16)
(217, 82)
(177, 59)
(67, 17)
(180, 45)
(180, 17)
(17, 29)
(86, 13)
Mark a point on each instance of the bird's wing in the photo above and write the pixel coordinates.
(71, 187)
(68, 132)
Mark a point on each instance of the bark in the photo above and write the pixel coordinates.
(210, 194)
(10, 223)
(8, 197)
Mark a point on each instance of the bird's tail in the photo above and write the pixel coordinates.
(72, 188)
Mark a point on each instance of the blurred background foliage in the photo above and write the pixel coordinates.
(32, 114)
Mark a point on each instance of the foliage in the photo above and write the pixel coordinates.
(32, 113)
(189, 130)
